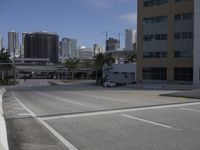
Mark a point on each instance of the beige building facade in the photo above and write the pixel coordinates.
(196, 42)
(165, 41)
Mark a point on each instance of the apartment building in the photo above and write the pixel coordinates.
(166, 42)
(41, 45)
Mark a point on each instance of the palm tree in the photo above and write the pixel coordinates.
(101, 60)
(109, 59)
(72, 65)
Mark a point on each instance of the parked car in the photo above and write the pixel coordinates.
(109, 84)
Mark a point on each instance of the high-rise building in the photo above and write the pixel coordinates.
(112, 44)
(166, 38)
(68, 48)
(130, 39)
(1, 42)
(41, 45)
(13, 43)
(73, 48)
(22, 46)
(60, 54)
(64, 50)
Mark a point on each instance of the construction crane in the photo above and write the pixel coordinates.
(106, 33)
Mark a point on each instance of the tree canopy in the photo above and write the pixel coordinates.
(4, 57)
(72, 64)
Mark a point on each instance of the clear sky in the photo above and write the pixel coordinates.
(85, 20)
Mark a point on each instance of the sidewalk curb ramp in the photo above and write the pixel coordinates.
(3, 131)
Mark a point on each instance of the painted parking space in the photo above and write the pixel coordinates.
(165, 128)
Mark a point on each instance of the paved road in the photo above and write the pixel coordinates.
(82, 116)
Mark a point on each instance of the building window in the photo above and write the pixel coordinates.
(158, 19)
(177, 17)
(183, 35)
(183, 74)
(155, 55)
(158, 37)
(179, 1)
(155, 73)
(150, 3)
(184, 16)
(183, 54)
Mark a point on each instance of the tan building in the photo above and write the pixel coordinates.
(165, 41)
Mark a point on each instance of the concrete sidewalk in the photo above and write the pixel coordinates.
(161, 86)
(185, 94)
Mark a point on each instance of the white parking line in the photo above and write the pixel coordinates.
(193, 110)
(61, 99)
(24, 114)
(30, 112)
(147, 121)
(99, 97)
(53, 131)
(105, 112)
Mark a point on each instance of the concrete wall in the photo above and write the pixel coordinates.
(197, 42)
(3, 132)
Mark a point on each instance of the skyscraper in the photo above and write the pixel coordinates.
(73, 48)
(1, 42)
(22, 46)
(166, 41)
(13, 43)
(68, 48)
(112, 44)
(41, 45)
(130, 39)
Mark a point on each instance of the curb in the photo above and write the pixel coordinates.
(3, 131)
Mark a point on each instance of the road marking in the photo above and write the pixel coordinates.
(24, 114)
(105, 112)
(30, 112)
(193, 110)
(59, 136)
(53, 131)
(147, 121)
(61, 99)
(99, 97)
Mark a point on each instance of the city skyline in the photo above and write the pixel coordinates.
(84, 20)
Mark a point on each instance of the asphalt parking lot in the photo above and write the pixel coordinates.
(81, 116)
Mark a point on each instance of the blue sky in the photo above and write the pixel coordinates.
(84, 20)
